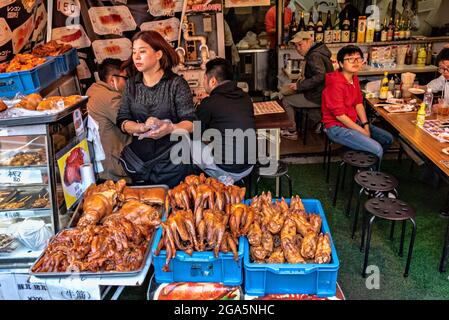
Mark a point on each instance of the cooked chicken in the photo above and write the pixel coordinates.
(323, 249)
(258, 254)
(315, 222)
(277, 256)
(255, 234)
(309, 245)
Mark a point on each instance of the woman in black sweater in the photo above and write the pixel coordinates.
(155, 103)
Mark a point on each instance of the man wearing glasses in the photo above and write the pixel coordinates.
(103, 105)
(442, 82)
(344, 115)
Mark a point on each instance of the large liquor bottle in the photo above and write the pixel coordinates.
(319, 29)
(311, 26)
(328, 34)
(346, 29)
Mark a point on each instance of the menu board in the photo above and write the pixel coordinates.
(111, 20)
(168, 28)
(113, 48)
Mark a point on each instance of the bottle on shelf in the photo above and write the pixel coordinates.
(354, 31)
(402, 30)
(391, 84)
(415, 55)
(370, 27)
(421, 116)
(377, 31)
(319, 29)
(328, 32)
(409, 56)
(427, 100)
(383, 34)
(293, 28)
(336, 34)
(390, 32)
(422, 56)
(408, 31)
(346, 30)
(396, 31)
(302, 23)
(311, 26)
(361, 29)
(429, 54)
(383, 93)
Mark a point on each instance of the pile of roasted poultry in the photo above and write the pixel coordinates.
(21, 62)
(112, 234)
(52, 48)
(205, 215)
(35, 102)
(283, 234)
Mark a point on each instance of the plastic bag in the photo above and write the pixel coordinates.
(31, 233)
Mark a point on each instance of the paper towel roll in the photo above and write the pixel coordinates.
(87, 175)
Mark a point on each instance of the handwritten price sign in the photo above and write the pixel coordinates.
(19, 176)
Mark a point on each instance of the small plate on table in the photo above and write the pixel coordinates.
(416, 91)
(445, 150)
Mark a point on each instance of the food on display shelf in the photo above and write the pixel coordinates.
(197, 291)
(217, 221)
(282, 234)
(16, 203)
(40, 202)
(6, 243)
(103, 240)
(34, 102)
(145, 195)
(52, 48)
(3, 106)
(25, 158)
(21, 62)
(4, 194)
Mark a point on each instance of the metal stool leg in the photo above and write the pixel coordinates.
(401, 245)
(326, 142)
(368, 243)
(337, 184)
(344, 177)
(257, 185)
(290, 186)
(445, 252)
(328, 162)
(280, 188)
(392, 230)
(356, 215)
(348, 205)
(306, 125)
(410, 248)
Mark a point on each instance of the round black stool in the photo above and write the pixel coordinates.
(360, 160)
(392, 210)
(371, 183)
(281, 171)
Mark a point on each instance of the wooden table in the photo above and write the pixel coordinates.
(424, 143)
(421, 140)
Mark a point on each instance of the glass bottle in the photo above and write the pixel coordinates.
(328, 33)
(311, 26)
(346, 32)
(354, 31)
(319, 29)
(383, 34)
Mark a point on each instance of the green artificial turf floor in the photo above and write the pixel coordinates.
(424, 281)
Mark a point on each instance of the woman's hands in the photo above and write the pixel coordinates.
(155, 128)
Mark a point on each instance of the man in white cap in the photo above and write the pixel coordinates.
(308, 89)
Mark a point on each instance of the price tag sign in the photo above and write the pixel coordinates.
(19, 176)
(70, 8)
(16, 214)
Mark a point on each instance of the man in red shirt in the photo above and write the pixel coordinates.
(344, 115)
(270, 22)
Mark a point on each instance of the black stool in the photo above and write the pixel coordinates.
(445, 252)
(361, 160)
(371, 182)
(392, 210)
(303, 114)
(282, 171)
(327, 155)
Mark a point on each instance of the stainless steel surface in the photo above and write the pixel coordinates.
(254, 50)
(254, 69)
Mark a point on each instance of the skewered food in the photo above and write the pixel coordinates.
(280, 233)
(15, 204)
(6, 242)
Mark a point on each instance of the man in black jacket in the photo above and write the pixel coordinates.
(226, 115)
(309, 87)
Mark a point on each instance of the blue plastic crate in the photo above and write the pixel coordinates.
(67, 61)
(200, 267)
(28, 81)
(319, 279)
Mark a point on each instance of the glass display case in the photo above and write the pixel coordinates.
(33, 204)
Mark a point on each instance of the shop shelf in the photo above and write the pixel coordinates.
(200, 267)
(318, 279)
(28, 81)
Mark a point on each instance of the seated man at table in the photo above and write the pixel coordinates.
(442, 82)
(308, 89)
(344, 115)
(103, 105)
(226, 109)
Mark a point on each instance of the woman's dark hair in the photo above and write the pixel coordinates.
(169, 56)
(443, 55)
(346, 51)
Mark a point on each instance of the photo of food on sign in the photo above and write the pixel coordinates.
(40, 22)
(29, 5)
(112, 48)
(22, 34)
(168, 28)
(5, 32)
(73, 35)
(111, 20)
(164, 7)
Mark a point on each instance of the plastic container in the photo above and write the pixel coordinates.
(200, 267)
(28, 81)
(285, 278)
(67, 61)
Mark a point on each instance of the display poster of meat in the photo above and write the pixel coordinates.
(164, 7)
(112, 48)
(246, 3)
(40, 22)
(69, 8)
(29, 5)
(5, 32)
(111, 20)
(22, 34)
(82, 70)
(70, 171)
(196, 291)
(4, 3)
(168, 28)
(73, 35)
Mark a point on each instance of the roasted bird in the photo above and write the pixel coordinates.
(145, 195)
(277, 256)
(309, 245)
(22, 62)
(52, 48)
(241, 219)
(323, 250)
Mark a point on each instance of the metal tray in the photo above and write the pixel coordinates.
(20, 194)
(78, 212)
(42, 119)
